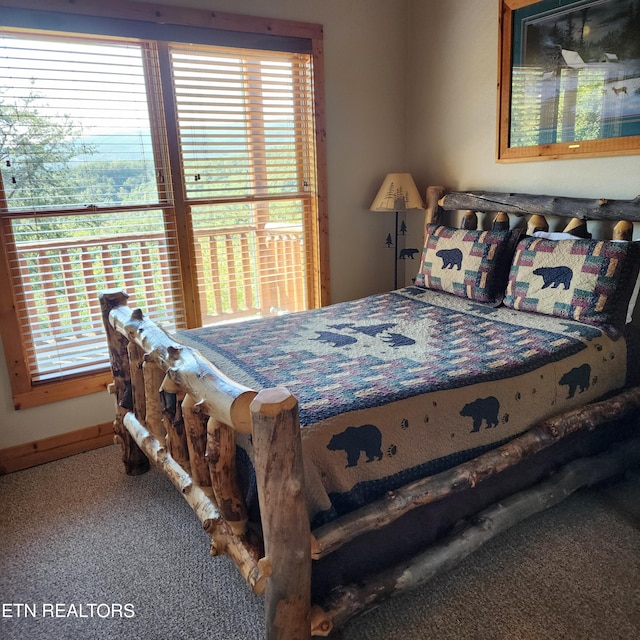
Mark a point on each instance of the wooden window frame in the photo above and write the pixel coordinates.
(25, 392)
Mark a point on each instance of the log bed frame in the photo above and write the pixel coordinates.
(188, 431)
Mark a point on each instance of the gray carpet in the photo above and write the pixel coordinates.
(79, 531)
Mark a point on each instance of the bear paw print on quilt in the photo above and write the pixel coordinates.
(586, 280)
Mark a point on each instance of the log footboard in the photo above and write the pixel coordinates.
(177, 411)
(194, 445)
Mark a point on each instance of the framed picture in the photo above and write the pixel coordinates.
(569, 79)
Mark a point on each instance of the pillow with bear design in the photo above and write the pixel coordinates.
(590, 281)
(468, 263)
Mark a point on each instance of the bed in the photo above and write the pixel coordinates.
(343, 455)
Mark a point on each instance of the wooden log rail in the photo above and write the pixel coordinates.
(522, 204)
(187, 369)
(245, 551)
(580, 210)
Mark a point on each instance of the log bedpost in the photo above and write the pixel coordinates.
(286, 531)
(433, 212)
(135, 461)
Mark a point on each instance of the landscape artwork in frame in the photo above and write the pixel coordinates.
(569, 81)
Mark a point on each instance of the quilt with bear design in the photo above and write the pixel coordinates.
(401, 385)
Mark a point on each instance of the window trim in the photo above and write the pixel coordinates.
(50, 15)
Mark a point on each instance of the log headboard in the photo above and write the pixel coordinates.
(520, 204)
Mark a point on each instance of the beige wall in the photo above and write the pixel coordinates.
(410, 85)
(365, 53)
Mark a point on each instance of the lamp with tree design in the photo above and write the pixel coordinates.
(397, 193)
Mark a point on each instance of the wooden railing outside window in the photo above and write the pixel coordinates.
(228, 289)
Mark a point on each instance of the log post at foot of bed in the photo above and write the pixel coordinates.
(348, 601)
(285, 520)
(134, 459)
(135, 462)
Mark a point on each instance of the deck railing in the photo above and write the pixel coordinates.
(242, 272)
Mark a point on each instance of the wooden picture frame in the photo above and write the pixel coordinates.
(551, 102)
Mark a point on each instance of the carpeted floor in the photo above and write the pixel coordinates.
(80, 532)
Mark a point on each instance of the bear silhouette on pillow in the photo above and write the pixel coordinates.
(554, 276)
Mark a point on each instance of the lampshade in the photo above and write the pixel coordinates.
(397, 193)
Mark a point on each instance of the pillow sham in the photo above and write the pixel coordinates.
(468, 263)
(590, 281)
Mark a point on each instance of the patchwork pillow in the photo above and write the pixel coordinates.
(586, 280)
(469, 264)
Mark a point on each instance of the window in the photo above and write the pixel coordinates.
(184, 172)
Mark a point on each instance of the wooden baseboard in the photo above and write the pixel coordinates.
(30, 454)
